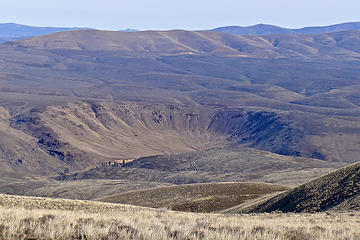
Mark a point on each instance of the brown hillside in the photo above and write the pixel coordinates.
(192, 42)
(40, 218)
(229, 159)
(337, 191)
(83, 135)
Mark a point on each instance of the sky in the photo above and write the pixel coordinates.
(184, 14)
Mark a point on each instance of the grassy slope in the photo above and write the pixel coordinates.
(338, 190)
(82, 190)
(209, 197)
(37, 218)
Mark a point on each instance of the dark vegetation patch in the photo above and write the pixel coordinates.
(330, 192)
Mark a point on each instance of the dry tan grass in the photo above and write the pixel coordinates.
(208, 197)
(137, 223)
(26, 218)
(87, 189)
(336, 191)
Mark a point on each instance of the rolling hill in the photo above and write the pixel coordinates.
(324, 46)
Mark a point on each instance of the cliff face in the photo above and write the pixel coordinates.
(259, 129)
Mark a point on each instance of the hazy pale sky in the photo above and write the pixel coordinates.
(184, 14)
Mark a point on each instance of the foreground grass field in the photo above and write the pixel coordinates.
(40, 218)
(136, 223)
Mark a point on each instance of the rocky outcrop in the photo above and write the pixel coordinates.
(259, 129)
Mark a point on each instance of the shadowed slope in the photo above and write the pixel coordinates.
(338, 191)
(20, 152)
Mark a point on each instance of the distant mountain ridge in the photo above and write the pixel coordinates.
(13, 31)
(264, 29)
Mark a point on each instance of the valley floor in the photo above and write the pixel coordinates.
(40, 218)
